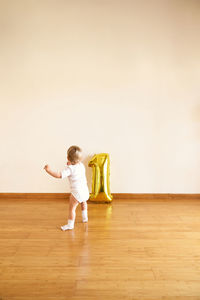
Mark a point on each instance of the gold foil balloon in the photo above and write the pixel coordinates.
(100, 164)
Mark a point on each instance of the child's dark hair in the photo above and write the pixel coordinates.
(74, 154)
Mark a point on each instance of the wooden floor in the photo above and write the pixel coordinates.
(130, 249)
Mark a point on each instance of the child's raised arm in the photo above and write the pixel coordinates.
(52, 173)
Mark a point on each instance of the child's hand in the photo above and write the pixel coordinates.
(47, 168)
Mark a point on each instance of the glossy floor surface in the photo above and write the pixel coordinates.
(130, 249)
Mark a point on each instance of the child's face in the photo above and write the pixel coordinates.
(80, 157)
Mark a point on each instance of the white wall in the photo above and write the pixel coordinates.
(114, 76)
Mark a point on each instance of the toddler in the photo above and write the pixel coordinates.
(75, 171)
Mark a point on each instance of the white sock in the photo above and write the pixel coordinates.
(70, 225)
(84, 215)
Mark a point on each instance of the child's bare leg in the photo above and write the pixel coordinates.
(84, 211)
(73, 203)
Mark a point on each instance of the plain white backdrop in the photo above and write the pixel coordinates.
(120, 77)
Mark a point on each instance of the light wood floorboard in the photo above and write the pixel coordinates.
(130, 249)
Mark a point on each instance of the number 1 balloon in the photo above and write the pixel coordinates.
(100, 164)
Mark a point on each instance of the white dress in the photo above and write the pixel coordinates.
(77, 180)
